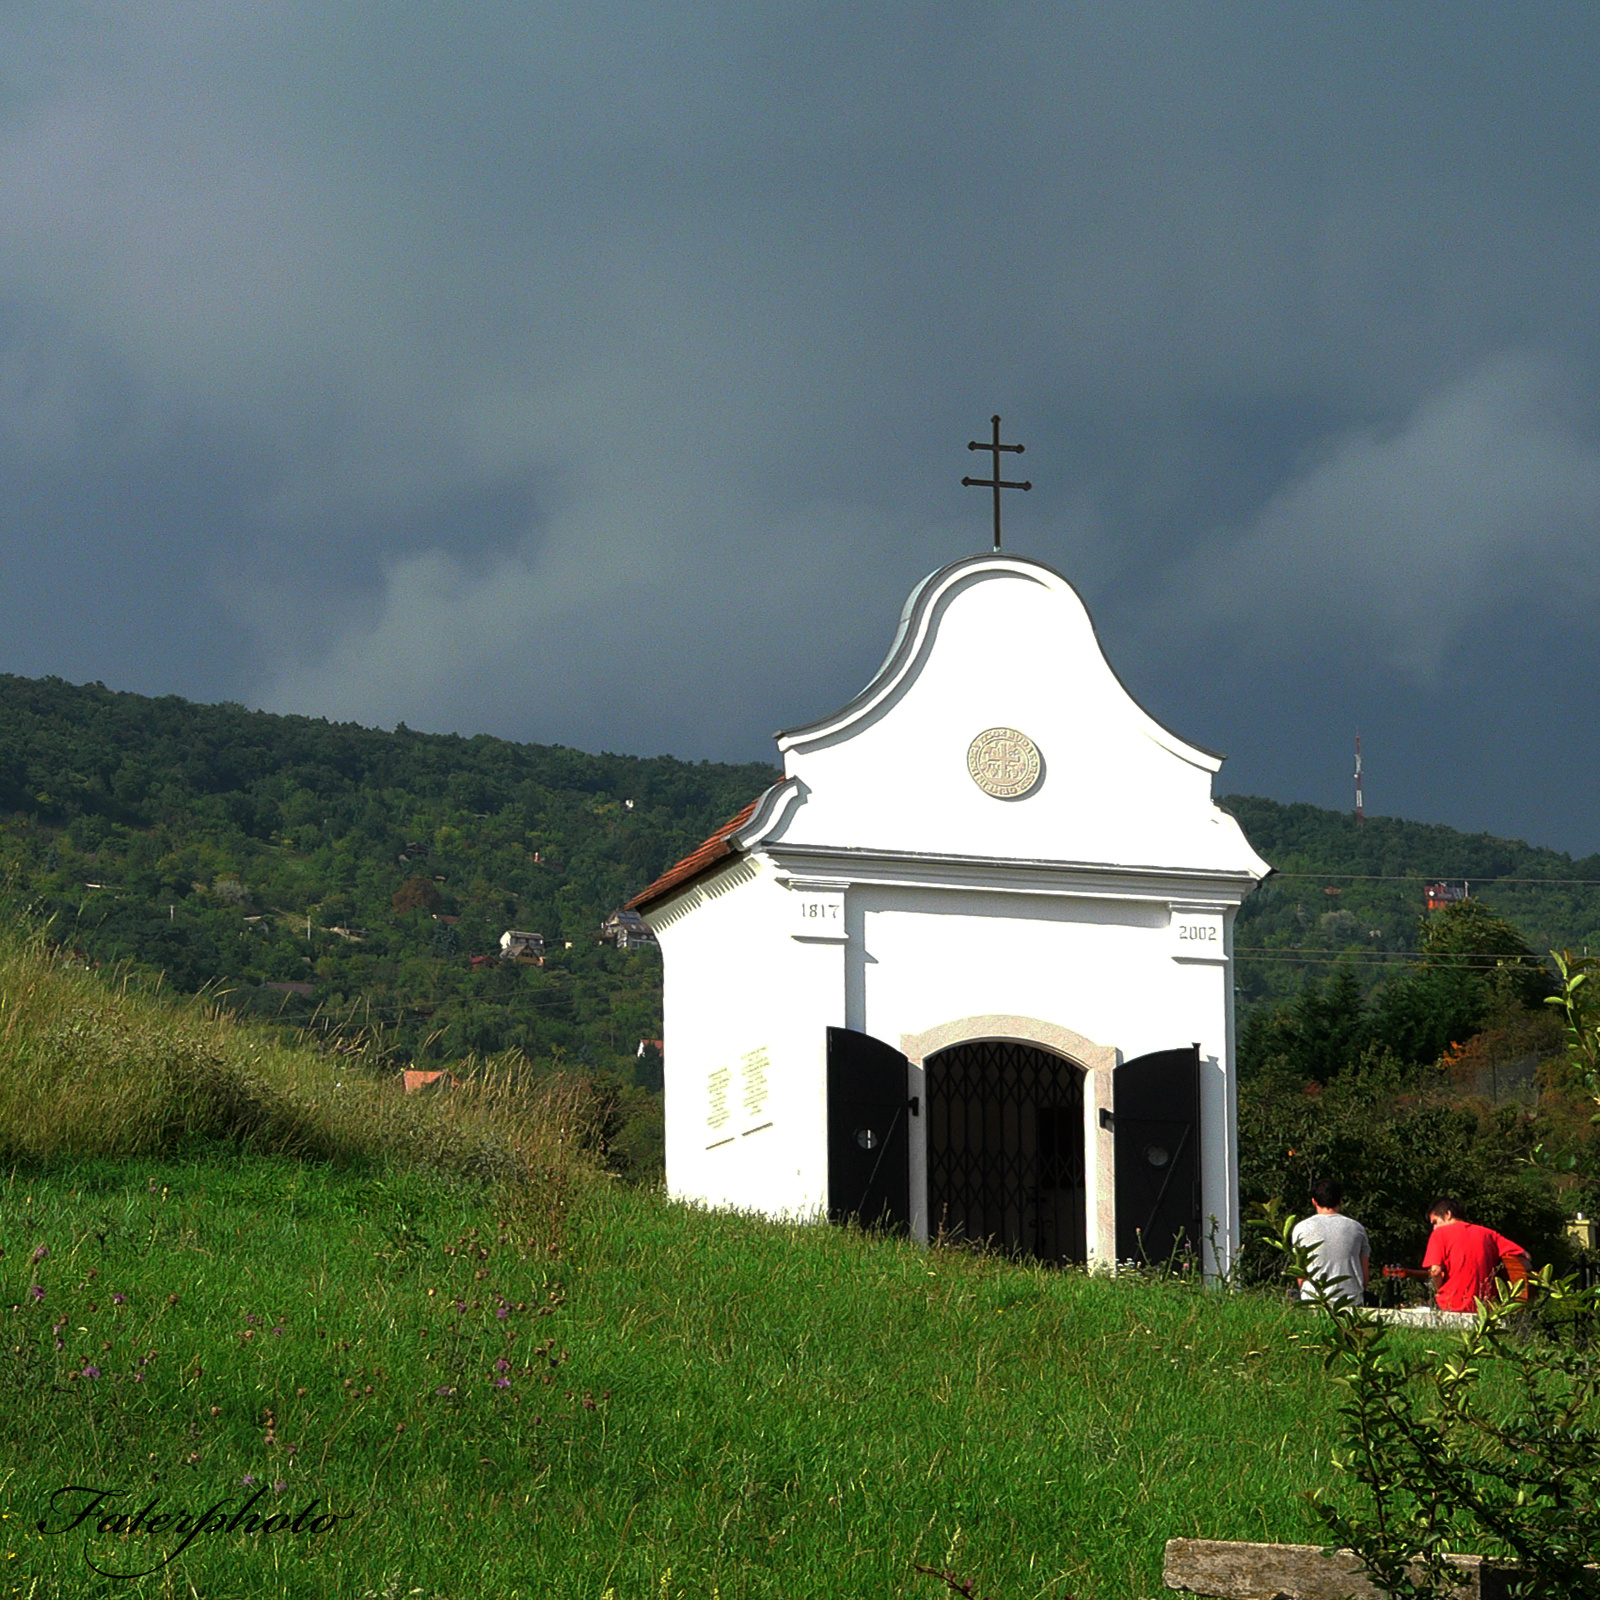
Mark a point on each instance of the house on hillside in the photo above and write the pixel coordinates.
(528, 948)
(627, 930)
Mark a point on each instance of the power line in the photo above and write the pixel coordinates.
(1431, 877)
(1358, 958)
(1369, 950)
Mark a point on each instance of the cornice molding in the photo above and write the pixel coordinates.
(1193, 888)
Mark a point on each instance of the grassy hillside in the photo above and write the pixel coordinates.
(726, 1408)
(241, 1276)
(229, 1267)
(91, 1069)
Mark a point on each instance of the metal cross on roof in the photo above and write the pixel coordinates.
(997, 483)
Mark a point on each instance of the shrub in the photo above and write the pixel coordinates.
(1444, 1459)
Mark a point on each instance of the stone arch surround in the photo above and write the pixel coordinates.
(1099, 1062)
(1093, 1058)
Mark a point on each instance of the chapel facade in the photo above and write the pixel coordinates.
(967, 968)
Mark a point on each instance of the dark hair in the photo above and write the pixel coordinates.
(1326, 1192)
(1444, 1206)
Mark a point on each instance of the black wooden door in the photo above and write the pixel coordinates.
(869, 1176)
(1157, 1121)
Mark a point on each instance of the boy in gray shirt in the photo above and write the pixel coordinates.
(1339, 1245)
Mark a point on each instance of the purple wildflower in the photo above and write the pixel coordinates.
(503, 1313)
(445, 1389)
(40, 1253)
(61, 1344)
(138, 1377)
(37, 1291)
(91, 1372)
(279, 1486)
(502, 1383)
(251, 1318)
(248, 1479)
(119, 1299)
(502, 1365)
(277, 1333)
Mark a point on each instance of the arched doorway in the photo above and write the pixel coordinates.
(1006, 1148)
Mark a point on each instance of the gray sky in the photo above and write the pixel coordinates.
(602, 374)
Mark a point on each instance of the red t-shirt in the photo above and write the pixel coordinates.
(1469, 1255)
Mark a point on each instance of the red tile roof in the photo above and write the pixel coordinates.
(697, 863)
(416, 1080)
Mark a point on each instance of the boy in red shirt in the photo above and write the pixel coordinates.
(1462, 1258)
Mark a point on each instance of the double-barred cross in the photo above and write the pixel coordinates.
(997, 483)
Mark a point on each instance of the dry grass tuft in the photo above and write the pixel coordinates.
(94, 1068)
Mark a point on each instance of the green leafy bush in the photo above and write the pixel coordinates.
(1486, 1446)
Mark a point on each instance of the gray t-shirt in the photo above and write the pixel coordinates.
(1337, 1243)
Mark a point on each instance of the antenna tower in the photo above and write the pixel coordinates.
(1360, 807)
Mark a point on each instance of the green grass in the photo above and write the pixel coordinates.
(232, 1266)
(729, 1407)
(809, 1411)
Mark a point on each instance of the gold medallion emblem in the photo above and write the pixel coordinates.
(1004, 763)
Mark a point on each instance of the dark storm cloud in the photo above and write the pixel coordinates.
(602, 374)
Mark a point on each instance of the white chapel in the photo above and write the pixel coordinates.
(967, 968)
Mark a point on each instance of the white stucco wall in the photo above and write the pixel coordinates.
(747, 1012)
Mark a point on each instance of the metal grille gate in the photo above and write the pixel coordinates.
(1006, 1149)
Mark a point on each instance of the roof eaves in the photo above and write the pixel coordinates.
(705, 858)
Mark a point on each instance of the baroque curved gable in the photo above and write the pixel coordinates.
(1001, 648)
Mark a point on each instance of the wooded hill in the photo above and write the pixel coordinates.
(239, 849)
(1351, 894)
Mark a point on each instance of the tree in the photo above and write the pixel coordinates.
(1313, 1039)
(416, 894)
(1468, 936)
